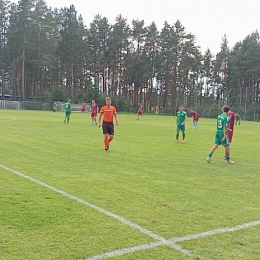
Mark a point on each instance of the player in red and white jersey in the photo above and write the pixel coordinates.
(195, 115)
(230, 127)
(140, 111)
(83, 108)
(94, 111)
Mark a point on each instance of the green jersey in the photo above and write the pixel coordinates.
(54, 105)
(181, 115)
(68, 107)
(222, 121)
(238, 117)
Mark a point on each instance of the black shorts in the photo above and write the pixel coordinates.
(108, 128)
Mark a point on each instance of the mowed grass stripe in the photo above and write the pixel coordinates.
(165, 187)
(37, 223)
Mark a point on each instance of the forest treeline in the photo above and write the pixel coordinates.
(50, 54)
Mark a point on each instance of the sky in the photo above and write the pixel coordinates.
(208, 20)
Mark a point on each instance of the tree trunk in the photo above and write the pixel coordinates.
(23, 74)
(3, 83)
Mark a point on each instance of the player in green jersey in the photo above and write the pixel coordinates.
(221, 135)
(180, 123)
(54, 107)
(67, 111)
(237, 119)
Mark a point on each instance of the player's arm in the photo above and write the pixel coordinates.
(99, 119)
(116, 117)
(225, 130)
(185, 120)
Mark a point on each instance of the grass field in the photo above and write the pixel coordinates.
(62, 197)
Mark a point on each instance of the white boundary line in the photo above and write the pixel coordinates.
(3, 121)
(177, 239)
(216, 231)
(104, 211)
(160, 240)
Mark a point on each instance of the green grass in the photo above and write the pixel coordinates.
(145, 177)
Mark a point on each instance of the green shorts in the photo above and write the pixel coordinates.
(68, 113)
(180, 127)
(218, 139)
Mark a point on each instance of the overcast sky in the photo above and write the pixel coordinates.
(208, 20)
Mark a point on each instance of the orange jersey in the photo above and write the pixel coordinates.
(108, 112)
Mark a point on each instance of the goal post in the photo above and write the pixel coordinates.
(7, 104)
(74, 107)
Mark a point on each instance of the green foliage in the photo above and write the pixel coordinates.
(41, 48)
(59, 93)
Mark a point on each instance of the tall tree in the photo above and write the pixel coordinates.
(119, 44)
(99, 48)
(70, 49)
(4, 6)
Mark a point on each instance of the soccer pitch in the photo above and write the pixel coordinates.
(62, 197)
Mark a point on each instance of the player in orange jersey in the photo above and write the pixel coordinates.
(109, 113)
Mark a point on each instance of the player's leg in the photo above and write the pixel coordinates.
(183, 133)
(178, 128)
(217, 142)
(227, 153)
(65, 119)
(230, 136)
(211, 151)
(138, 116)
(105, 133)
(239, 123)
(93, 119)
(196, 123)
(183, 136)
(68, 117)
(177, 136)
(111, 133)
(226, 144)
(106, 141)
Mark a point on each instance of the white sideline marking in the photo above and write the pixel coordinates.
(161, 241)
(104, 211)
(216, 231)
(177, 239)
(124, 251)
(2, 121)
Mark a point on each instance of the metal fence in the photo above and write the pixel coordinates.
(38, 105)
(26, 105)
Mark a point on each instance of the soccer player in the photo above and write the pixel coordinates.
(109, 113)
(180, 122)
(83, 108)
(94, 111)
(221, 135)
(230, 128)
(67, 111)
(238, 119)
(195, 116)
(54, 107)
(140, 111)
